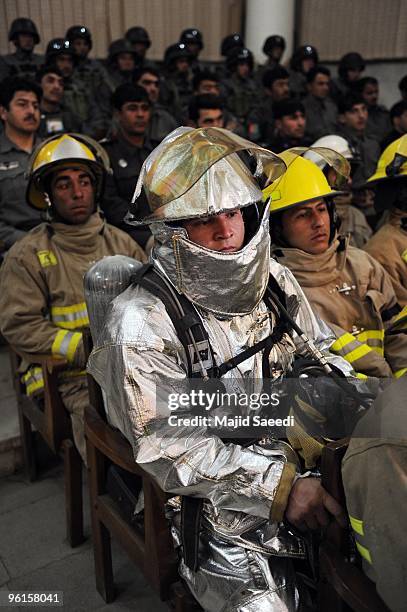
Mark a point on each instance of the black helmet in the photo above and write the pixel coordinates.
(273, 41)
(23, 25)
(58, 46)
(79, 31)
(302, 53)
(174, 52)
(231, 42)
(350, 61)
(137, 34)
(192, 35)
(121, 45)
(237, 56)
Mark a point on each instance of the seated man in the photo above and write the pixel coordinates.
(20, 113)
(211, 255)
(352, 221)
(398, 118)
(55, 118)
(389, 244)
(206, 110)
(41, 281)
(374, 476)
(23, 62)
(290, 125)
(378, 121)
(161, 122)
(320, 110)
(352, 125)
(127, 149)
(348, 289)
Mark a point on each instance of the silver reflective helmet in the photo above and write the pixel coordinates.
(197, 173)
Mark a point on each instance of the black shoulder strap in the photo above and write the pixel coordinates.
(184, 317)
(191, 331)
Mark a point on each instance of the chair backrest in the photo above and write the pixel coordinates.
(47, 415)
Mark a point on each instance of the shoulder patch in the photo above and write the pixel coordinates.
(9, 165)
(47, 258)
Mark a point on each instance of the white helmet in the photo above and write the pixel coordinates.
(334, 142)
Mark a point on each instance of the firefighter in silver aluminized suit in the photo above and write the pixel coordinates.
(212, 248)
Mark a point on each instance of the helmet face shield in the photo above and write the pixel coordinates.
(304, 181)
(195, 173)
(324, 156)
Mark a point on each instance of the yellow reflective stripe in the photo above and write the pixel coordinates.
(404, 255)
(66, 343)
(357, 525)
(400, 373)
(80, 322)
(33, 380)
(360, 375)
(342, 341)
(62, 310)
(357, 353)
(400, 320)
(370, 334)
(373, 338)
(364, 552)
(70, 317)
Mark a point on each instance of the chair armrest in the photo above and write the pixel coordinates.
(113, 445)
(353, 586)
(50, 362)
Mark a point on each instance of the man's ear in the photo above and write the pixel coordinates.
(278, 124)
(341, 118)
(3, 113)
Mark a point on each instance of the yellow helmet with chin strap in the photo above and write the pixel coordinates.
(302, 182)
(66, 151)
(392, 162)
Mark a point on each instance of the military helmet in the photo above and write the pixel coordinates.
(137, 34)
(23, 25)
(59, 46)
(231, 42)
(302, 53)
(192, 35)
(66, 151)
(237, 56)
(350, 61)
(273, 41)
(121, 45)
(79, 31)
(177, 51)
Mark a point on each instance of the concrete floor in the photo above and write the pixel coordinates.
(34, 555)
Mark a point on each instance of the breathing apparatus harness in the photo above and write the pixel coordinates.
(201, 364)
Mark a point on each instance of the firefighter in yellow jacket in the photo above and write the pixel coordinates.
(374, 474)
(348, 288)
(389, 244)
(41, 282)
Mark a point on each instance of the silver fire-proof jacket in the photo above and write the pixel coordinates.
(246, 489)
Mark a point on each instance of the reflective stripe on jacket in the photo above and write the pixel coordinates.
(354, 295)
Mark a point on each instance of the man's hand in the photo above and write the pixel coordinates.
(309, 504)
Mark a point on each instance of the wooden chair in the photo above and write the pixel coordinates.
(343, 586)
(49, 417)
(149, 544)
